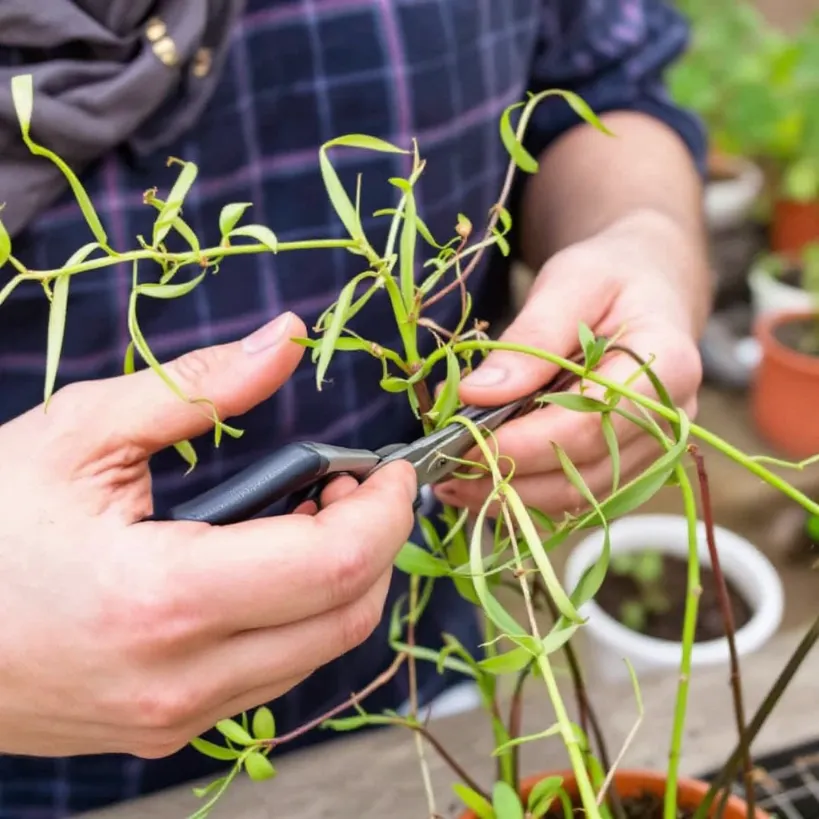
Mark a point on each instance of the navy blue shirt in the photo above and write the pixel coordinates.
(301, 72)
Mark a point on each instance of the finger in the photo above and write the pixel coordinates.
(141, 408)
(272, 571)
(258, 658)
(552, 493)
(560, 300)
(337, 489)
(528, 441)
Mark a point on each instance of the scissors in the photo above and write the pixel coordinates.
(299, 471)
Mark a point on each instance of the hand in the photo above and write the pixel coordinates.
(133, 637)
(620, 281)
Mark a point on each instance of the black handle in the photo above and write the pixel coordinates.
(251, 491)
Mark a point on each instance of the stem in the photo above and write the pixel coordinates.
(584, 786)
(505, 767)
(730, 628)
(413, 690)
(689, 631)
(188, 257)
(588, 715)
(511, 170)
(515, 719)
(382, 679)
(454, 766)
(758, 720)
(746, 461)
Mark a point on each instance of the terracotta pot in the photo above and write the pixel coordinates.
(795, 225)
(785, 391)
(636, 782)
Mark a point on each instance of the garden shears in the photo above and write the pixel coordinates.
(299, 471)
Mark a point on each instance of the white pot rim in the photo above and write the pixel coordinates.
(749, 571)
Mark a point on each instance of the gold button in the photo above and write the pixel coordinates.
(202, 62)
(165, 50)
(155, 29)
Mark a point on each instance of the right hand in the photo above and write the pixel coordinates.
(121, 635)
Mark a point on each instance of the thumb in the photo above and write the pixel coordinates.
(548, 321)
(234, 377)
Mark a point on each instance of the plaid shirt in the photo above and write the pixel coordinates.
(299, 73)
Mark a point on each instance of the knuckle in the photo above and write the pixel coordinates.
(152, 617)
(359, 621)
(196, 367)
(349, 570)
(164, 709)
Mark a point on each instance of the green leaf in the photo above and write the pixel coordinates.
(5, 244)
(574, 402)
(542, 795)
(409, 235)
(491, 607)
(187, 452)
(210, 787)
(506, 802)
(547, 572)
(169, 291)
(341, 202)
(22, 91)
(474, 801)
(263, 235)
(507, 663)
(581, 108)
(586, 337)
(258, 767)
(613, 446)
(264, 725)
(440, 658)
(56, 332)
(230, 215)
(234, 732)
(394, 384)
(214, 751)
(332, 334)
(447, 401)
(354, 723)
(172, 207)
(128, 364)
(413, 559)
(521, 157)
(547, 734)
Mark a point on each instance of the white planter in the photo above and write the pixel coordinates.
(770, 295)
(743, 565)
(728, 202)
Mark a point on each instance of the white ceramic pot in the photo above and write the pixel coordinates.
(728, 202)
(743, 565)
(770, 295)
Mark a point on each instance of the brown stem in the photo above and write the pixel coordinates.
(728, 772)
(423, 396)
(454, 766)
(382, 679)
(730, 627)
(516, 718)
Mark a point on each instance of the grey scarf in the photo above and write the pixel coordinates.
(106, 73)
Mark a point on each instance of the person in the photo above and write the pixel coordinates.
(122, 638)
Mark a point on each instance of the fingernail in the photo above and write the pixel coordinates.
(485, 377)
(267, 336)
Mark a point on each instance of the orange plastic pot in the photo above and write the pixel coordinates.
(795, 225)
(785, 391)
(690, 792)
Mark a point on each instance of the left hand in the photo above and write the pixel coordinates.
(623, 280)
